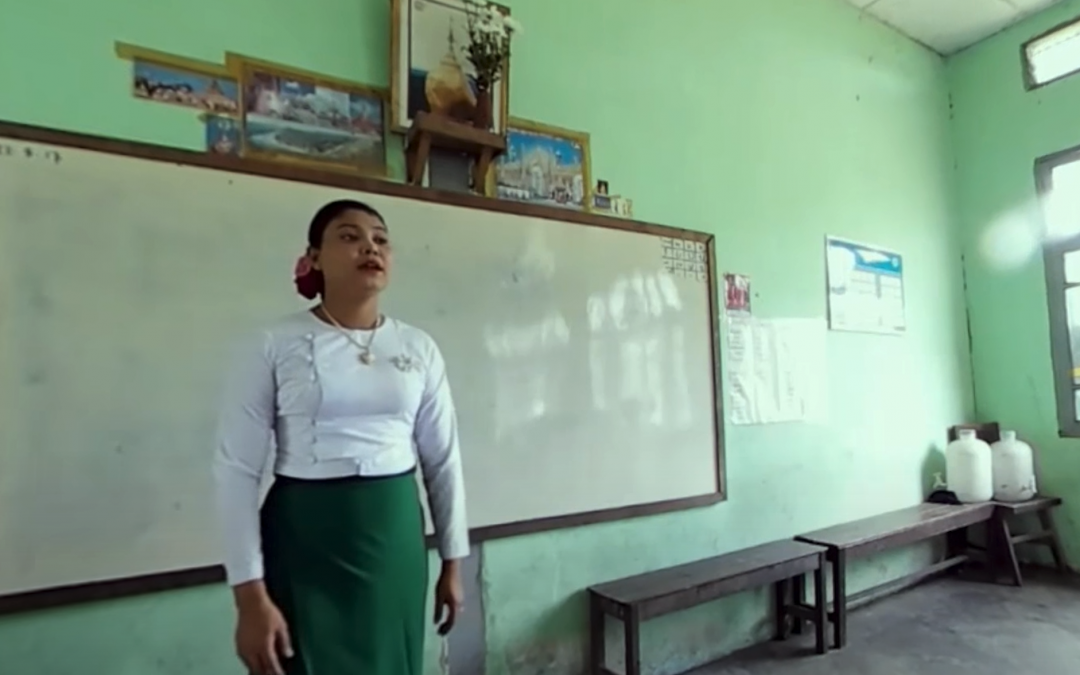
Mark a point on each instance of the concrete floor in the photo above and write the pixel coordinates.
(945, 627)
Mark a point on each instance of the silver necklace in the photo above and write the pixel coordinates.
(366, 357)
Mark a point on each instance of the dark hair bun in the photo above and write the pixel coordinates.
(310, 285)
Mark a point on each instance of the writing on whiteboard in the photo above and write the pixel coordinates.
(27, 151)
(684, 259)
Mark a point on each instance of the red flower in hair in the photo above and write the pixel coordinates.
(303, 266)
(308, 280)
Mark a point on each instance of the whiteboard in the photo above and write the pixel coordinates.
(580, 356)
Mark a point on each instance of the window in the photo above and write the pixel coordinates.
(1058, 177)
(1053, 55)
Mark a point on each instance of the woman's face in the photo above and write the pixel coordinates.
(355, 256)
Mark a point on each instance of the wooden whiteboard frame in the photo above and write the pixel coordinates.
(152, 583)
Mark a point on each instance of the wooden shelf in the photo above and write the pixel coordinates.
(433, 131)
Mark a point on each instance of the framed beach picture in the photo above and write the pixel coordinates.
(169, 84)
(178, 80)
(543, 164)
(296, 116)
(430, 69)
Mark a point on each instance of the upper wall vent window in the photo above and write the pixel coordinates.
(1052, 56)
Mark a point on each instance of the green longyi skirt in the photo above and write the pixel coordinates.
(347, 566)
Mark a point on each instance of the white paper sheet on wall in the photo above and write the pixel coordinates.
(777, 370)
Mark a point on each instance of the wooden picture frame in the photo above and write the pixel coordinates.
(177, 80)
(540, 187)
(280, 122)
(438, 27)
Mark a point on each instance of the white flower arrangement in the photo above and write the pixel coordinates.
(490, 32)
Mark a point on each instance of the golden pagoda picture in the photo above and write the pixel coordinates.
(431, 71)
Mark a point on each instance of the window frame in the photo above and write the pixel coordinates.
(1065, 388)
(1025, 63)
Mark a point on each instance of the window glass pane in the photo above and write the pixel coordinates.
(1072, 267)
(1063, 203)
(1054, 55)
(1072, 316)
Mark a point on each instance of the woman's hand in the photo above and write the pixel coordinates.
(262, 638)
(449, 596)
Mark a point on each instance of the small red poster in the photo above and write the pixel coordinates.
(737, 294)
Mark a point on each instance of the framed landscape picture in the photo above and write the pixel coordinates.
(322, 122)
(430, 69)
(543, 164)
(165, 83)
(177, 80)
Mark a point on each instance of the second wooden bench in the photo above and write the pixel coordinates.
(891, 530)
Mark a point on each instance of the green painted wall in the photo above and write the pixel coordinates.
(999, 130)
(767, 122)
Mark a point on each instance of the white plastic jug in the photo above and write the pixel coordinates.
(969, 468)
(1014, 469)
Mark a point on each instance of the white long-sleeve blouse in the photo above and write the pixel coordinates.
(301, 396)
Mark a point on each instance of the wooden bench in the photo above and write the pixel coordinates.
(1004, 542)
(645, 596)
(890, 530)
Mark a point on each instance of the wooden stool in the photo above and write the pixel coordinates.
(1003, 542)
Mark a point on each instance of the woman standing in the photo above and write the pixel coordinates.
(331, 577)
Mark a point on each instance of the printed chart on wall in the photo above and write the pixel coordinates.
(866, 288)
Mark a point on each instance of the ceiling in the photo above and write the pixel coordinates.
(947, 26)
